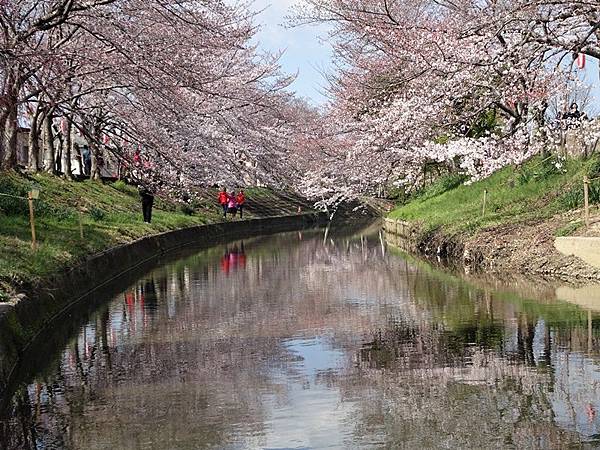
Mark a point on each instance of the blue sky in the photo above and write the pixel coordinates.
(304, 52)
(309, 57)
(592, 77)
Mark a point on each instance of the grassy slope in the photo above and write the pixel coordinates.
(111, 215)
(535, 191)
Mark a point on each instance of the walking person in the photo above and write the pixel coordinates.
(147, 197)
(223, 201)
(241, 200)
(232, 204)
(87, 160)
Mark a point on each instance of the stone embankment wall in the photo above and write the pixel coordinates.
(23, 319)
(410, 237)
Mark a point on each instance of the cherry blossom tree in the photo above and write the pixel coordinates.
(460, 84)
(180, 81)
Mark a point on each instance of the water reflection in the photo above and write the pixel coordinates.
(234, 258)
(319, 339)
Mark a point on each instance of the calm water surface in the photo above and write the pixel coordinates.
(315, 340)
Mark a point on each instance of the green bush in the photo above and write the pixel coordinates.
(97, 214)
(120, 185)
(441, 185)
(125, 188)
(595, 192)
(63, 214)
(569, 228)
(10, 205)
(543, 170)
(573, 198)
(186, 209)
(593, 167)
(524, 176)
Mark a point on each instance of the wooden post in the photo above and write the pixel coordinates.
(80, 221)
(31, 220)
(485, 194)
(586, 200)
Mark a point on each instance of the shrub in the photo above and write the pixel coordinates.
(441, 185)
(120, 185)
(11, 205)
(593, 167)
(595, 192)
(97, 214)
(524, 176)
(125, 188)
(573, 198)
(569, 228)
(186, 209)
(554, 165)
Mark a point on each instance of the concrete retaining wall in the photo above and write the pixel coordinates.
(585, 248)
(401, 234)
(21, 321)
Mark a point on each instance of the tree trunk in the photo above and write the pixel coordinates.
(34, 143)
(66, 151)
(49, 152)
(9, 138)
(3, 120)
(76, 149)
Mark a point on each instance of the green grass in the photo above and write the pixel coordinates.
(569, 229)
(111, 215)
(537, 190)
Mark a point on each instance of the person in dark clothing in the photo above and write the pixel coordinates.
(87, 160)
(147, 197)
(574, 116)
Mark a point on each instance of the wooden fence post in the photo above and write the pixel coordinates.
(31, 220)
(485, 195)
(586, 200)
(80, 221)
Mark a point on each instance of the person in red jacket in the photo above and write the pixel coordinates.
(223, 200)
(241, 201)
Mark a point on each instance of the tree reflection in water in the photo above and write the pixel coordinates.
(314, 340)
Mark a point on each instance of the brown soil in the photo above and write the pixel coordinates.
(526, 248)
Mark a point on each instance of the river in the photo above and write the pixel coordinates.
(312, 339)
